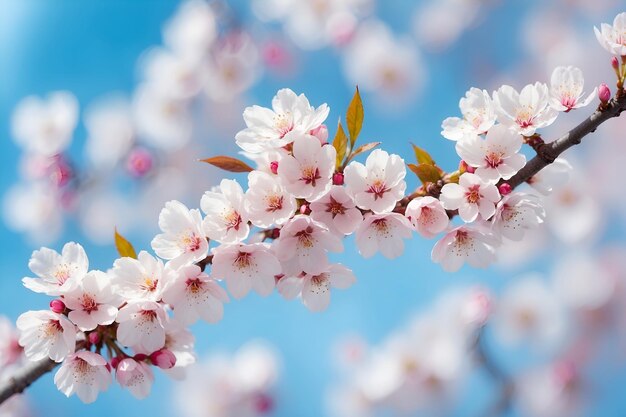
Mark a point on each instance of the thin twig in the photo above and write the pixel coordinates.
(24, 377)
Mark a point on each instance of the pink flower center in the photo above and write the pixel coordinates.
(381, 226)
(62, 273)
(149, 284)
(243, 260)
(493, 159)
(89, 304)
(310, 175)
(524, 118)
(377, 188)
(52, 328)
(232, 220)
(305, 237)
(334, 207)
(320, 283)
(283, 123)
(462, 237)
(568, 100)
(148, 315)
(274, 203)
(194, 285)
(191, 242)
(472, 195)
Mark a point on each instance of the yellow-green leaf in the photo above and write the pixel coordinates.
(354, 117)
(228, 163)
(422, 156)
(363, 148)
(340, 143)
(426, 173)
(124, 247)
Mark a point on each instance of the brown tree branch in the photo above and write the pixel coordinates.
(24, 377)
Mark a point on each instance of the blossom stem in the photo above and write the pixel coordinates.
(24, 377)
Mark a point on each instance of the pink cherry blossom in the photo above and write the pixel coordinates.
(464, 244)
(478, 116)
(384, 233)
(427, 216)
(180, 341)
(552, 177)
(10, 349)
(182, 240)
(194, 295)
(526, 111)
(266, 201)
(57, 273)
(471, 196)
(135, 376)
(377, 185)
(92, 302)
(303, 244)
(141, 326)
(246, 267)
(226, 220)
(85, 374)
(45, 334)
(612, 37)
(495, 157)
(516, 213)
(337, 210)
(307, 173)
(140, 278)
(566, 89)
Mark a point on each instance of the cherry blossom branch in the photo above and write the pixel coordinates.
(24, 377)
(548, 152)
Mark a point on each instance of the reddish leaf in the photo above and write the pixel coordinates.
(228, 163)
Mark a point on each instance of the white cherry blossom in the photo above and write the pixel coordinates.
(135, 376)
(552, 177)
(566, 89)
(45, 334)
(291, 116)
(472, 196)
(140, 278)
(303, 244)
(613, 38)
(495, 157)
(478, 116)
(85, 374)
(337, 210)
(384, 233)
(194, 295)
(180, 341)
(464, 244)
(377, 185)
(307, 173)
(266, 201)
(193, 29)
(526, 111)
(182, 240)
(92, 302)
(141, 326)
(516, 213)
(226, 219)
(427, 215)
(57, 273)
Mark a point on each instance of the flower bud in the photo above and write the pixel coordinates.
(304, 209)
(163, 358)
(604, 93)
(505, 188)
(140, 357)
(614, 62)
(274, 167)
(338, 178)
(139, 162)
(57, 306)
(94, 338)
(468, 168)
(321, 133)
(115, 361)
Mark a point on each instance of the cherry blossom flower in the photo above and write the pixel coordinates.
(478, 116)
(291, 117)
(140, 278)
(135, 376)
(85, 374)
(516, 213)
(246, 267)
(303, 244)
(464, 244)
(226, 220)
(193, 29)
(180, 341)
(179, 76)
(526, 111)
(57, 273)
(554, 176)
(471, 196)
(10, 349)
(193, 295)
(45, 126)
(337, 210)
(183, 240)
(308, 172)
(377, 185)
(582, 282)
(612, 37)
(92, 302)
(45, 334)
(497, 156)
(566, 89)
(427, 216)
(384, 233)
(315, 289)
(266, 201)
(141, 326)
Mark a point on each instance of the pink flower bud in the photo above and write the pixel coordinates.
(93, 338)
(274, 167)
(468, 168)
(264, 404)
(505, 188)
(321, 133)
(304, 209)
(115, 361)
(139, 162)
(57, 306)
(338, 178)
(604, 93)
(565, 372)
(275, 233)
(614, 62)
(163, 358)
(61, 171)
(140, 357)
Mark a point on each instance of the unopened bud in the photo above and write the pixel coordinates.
(604, 93)
(304, 209)
(338, 178)
(505, 188)
(163, 358)
(614, 62)
(115, 361)
(140, 357)
(275, 233)
(57, 306)
(94, 338)
(469, 169)
(321, 133)
(139, 162)
(274, 167)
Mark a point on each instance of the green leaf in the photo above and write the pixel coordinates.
(340, 143)
(228, 163)
(363, 148)
(426, 173)
(124, 247)
(354, 117)
(422, 156)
